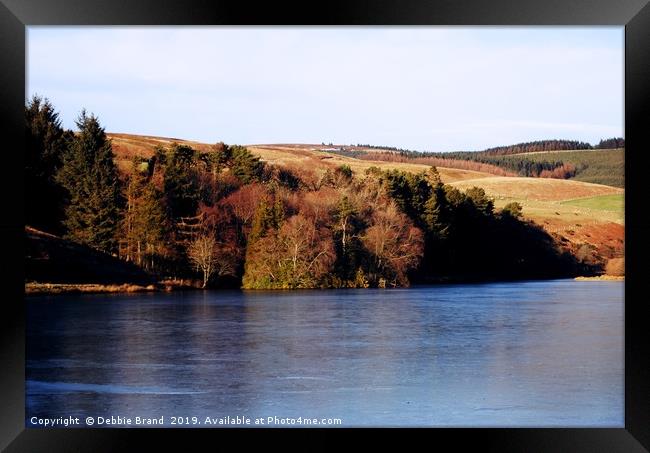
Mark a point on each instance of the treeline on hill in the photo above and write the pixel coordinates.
(492, 160)
(536, 146)
(231, 220)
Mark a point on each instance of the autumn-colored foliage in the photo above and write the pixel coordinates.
(221, 214)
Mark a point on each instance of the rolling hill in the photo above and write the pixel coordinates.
(600, 166)
(585, 217)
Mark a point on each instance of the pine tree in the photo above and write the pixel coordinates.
(180, 181)
(435, 210)
(262, 221)
(145, 222)
(45, 144)
(90, 178)
(245, 166)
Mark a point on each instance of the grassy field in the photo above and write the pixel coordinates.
(311, 157)
(606, 166)
(615, 202)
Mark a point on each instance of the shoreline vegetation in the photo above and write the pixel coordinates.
(50, 289)
(36, 288)
(610, 278)
(221, 216)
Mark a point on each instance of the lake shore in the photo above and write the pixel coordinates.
(36, 288)
(608, 278)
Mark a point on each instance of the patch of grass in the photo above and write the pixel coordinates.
(614, 202)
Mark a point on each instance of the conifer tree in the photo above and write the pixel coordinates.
(180, 181)
(145, 221)
(45, 144)
(90, 178)
(245, 166)
(435, 212)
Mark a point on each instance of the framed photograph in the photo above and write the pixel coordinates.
(424, 215)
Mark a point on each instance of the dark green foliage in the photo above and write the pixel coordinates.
(288, 179)
(611, 143)
(521, 165)
(90, 178)
(145, 225)
(596, 166)
(45, 144)
(410, 191)
(436, 213)
(267, 217)
(466, 240)
(244, 165)
(481, 202)
(217, 158)
(348, 224)
(513, 210)
(536, 146)
(583, 166)
(181, 185)
(345, 171)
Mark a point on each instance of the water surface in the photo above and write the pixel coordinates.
(547, 353)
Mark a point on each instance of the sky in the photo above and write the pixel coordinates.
(422, 88)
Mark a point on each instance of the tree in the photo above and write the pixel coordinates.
(395, 244)
(299, 255)
(145, 224)
(435, 216)
(181, 184)
(609, 143)
(344, 214)
(45, 144)
(513, 210)
(90, 178)
(244, 203)
(211, 257)
(203, 254)
(262, 221)
(244, 165)
(480, 200)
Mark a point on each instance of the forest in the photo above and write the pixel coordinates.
(228, 219)
(500, 161)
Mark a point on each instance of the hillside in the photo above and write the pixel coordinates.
(582, 215)
(593, 227)
(309, 156)
(595, 165)
(600, 166)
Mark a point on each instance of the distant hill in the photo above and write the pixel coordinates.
(310, 156)
(558, 159)
(599, 166)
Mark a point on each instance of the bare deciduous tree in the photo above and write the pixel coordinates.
(397, 245)
(212, 258)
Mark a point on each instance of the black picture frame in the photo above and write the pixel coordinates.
(15, 15)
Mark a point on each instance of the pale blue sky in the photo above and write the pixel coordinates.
(426, 88)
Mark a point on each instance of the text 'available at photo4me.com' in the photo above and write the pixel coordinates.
(114, 421)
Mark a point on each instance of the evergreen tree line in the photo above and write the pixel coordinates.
(520, 165)
(227, 219)
(536, 146)
(493, 158)
(611, 143)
